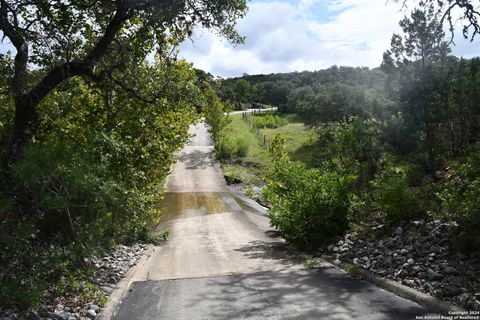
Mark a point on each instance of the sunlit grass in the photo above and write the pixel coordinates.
(251, 167)
(300, 145)
(301, 140)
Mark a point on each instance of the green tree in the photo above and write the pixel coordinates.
(466, 11)
(418, 53)
(216, 116)
(93, 175)
(298, 96)
(65, 39)
(243, 90)
(338, 102)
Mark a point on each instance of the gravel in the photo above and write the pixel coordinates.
(418, 254)
(109, 269)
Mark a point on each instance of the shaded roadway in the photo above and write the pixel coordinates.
(223, 261)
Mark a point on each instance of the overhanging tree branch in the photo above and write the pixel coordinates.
(26, 102)
(21, 57)
(84, 67)
(471, 14)
(89, 30)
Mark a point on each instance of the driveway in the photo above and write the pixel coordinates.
(223, 261)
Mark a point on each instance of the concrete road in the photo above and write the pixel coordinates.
(196, 169)
(223, 261)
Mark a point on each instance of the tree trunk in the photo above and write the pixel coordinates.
(23, 121)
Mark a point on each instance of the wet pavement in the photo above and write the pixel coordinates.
(223, 261)
(194, 204)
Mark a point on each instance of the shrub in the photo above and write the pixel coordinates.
(270, 121)
(277, 148)
(354, 271)
(460, 198)
(231, 147)
(393, 196)
(351, 148)
(308, 206)
(28, 267)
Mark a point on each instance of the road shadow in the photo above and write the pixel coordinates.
(324, 293)
(197, 159)
(281, 252)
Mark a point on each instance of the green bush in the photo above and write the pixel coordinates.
(268, 120)
(309, 206)
(231, 147)
(460, 198)
(393, 197)
(351, 148)
(30, 267)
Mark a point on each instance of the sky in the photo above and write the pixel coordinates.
(298, 35)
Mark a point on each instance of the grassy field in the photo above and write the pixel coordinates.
(250, 165)
(300, 139)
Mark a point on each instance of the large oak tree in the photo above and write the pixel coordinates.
(56, 40)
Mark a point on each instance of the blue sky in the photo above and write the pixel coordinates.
(297, 35)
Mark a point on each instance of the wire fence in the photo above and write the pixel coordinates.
(263, 138)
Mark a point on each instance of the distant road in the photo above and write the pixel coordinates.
(252, 110)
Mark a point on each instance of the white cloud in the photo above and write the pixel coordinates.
(304, 35)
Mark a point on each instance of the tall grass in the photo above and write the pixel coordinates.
(234, 146)
(240, 142)
(270, 121)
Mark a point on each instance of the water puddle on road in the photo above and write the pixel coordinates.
(187, 205)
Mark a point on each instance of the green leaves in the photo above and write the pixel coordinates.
(95, 171)
(460, 195)
(277, 149)
(392, 194)
(215, 115)
(309, 206)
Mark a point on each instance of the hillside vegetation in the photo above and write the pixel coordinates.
(401, 141)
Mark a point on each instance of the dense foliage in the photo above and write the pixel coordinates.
(216, 117)
(308, 206)
(93, 174)
(460, 196)
(88, 127)
(407, 131)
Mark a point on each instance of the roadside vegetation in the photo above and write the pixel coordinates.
(300, 139)
(244, 159)
(381, 146)
(88, 128)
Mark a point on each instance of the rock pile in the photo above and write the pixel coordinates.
(109, 269)
(418, 254)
